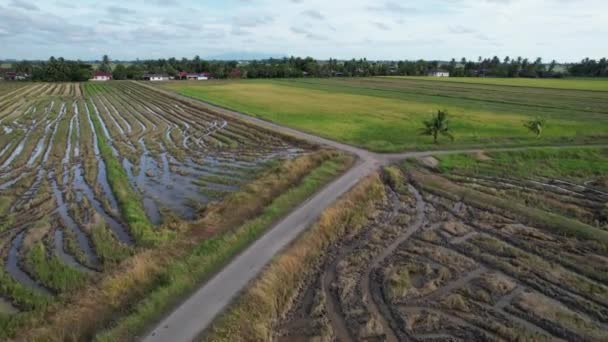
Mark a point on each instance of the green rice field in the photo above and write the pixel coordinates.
(577, 83)
(386, 114)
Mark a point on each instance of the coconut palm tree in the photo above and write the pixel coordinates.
(437, 125)
(535, 126)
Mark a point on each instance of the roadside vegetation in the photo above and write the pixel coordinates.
(252, 316)
(185, 274)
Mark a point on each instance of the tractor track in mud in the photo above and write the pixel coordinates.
(374, 300)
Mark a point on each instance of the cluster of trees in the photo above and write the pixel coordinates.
(590, 68)
(59, 69)
(136, 70)
(508, 67)
(55, 70)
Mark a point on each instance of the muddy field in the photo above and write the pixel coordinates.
(65, 150)
(433, 265)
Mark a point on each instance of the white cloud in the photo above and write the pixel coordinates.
(383, 29)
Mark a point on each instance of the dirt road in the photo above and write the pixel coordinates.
(189, 319)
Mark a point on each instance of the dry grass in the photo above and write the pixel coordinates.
(544, 308)
(270, 296)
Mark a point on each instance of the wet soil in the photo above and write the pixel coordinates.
(453, 272)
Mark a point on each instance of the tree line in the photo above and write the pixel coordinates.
(55, 70)
(59, 69)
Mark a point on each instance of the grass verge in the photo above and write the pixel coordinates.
(252, 315)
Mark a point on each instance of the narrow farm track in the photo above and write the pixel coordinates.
(196, 313)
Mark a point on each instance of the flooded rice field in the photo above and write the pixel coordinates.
(64, 148)
(431, 266)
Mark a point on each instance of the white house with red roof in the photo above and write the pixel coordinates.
(101, 76)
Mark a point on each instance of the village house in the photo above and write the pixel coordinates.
(438, 73)
(156, 77)
(183, 75)
(101, 76)
(16, 76)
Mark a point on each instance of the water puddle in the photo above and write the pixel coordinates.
(67, 153)
(126, 123)
(152, 211)
(104, 128)
(12, 182)
(102, 179)
(5, 148)
(21, 145)
(37, 152)
(16, 152)
(12, 266)
(55, 128)
(68, 222)
(63, 255)
(112, 118)
(115, 226)
(77, 140)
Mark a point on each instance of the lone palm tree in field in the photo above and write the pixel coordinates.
(535, 126)
(438, 124)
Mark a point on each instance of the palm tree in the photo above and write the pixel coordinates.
(437, 125)
(535, 126)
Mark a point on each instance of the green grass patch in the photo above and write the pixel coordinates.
(595, 84)
(183, 276)
(386, 114)
(108, 248)
(51, 271)
(128, 200)
(28, 299)
(571, 163)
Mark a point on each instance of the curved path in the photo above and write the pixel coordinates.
(195, 314)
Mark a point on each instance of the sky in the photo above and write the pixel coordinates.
(566, 30)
